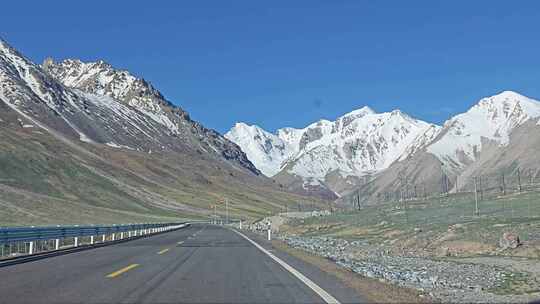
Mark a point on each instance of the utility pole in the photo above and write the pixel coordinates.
(519, 180)
(503, 185)
(358, 200)
(447, 180)
(481, 189)
(475, 197)
(401, 185)
(442, 184)
(406, 212)
(227, 210)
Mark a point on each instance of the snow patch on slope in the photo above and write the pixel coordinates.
(101, 79)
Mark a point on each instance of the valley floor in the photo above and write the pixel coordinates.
(436, 246)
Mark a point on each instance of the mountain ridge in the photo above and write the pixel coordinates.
(357, 143)
(92, 151)
(455, 145)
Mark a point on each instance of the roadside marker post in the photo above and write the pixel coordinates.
(269, 234)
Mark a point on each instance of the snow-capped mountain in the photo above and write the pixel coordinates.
(266, 150)
(497, 134)
(95, 103)
(492, 118)
(355, 144)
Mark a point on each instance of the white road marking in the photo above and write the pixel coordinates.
(328, 298)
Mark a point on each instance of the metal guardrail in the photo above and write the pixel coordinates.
(36, 235)
(28, 234)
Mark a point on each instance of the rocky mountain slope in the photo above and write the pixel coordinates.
(90, 137)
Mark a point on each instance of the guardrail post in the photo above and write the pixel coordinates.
(57, 244)
(121, 235)
(103, 239)
(31, 248)
(240, 225)
(91, 240)
(112, 237)
(76, 242)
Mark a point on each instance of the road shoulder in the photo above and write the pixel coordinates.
(345, 285)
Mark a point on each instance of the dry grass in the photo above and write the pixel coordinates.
(43, 181)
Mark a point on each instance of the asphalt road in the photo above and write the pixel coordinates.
(198, 264)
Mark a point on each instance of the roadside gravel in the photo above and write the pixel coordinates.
(443, 280)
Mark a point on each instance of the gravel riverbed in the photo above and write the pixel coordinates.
(444, 281)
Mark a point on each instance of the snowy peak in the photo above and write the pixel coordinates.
(360, 112)
(356, 143)
(23, 81)
(355, 147)
(101, 78)
(506, 106)
(492, 118)
(95, 103)
(266, 150)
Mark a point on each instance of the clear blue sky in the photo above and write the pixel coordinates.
(289, 63)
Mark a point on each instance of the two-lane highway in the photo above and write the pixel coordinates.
(198, 264)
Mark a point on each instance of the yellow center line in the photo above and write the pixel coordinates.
(163, 251)
(180, 243)
(119, 272)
